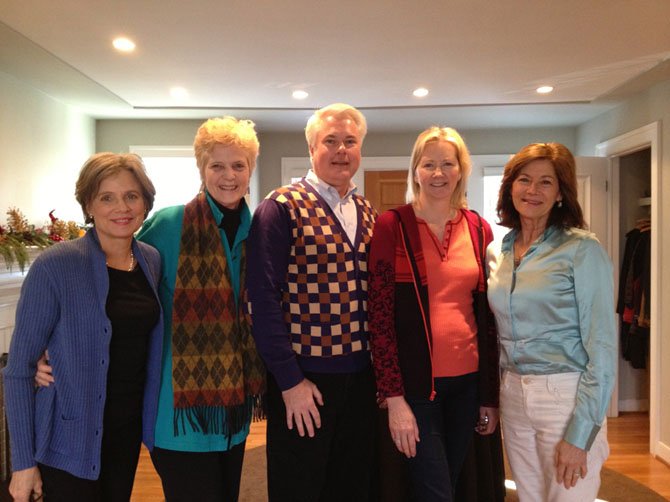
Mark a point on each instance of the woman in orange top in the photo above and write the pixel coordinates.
(434, 352)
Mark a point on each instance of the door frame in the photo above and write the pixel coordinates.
(648, 136)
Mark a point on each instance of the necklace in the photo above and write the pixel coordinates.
(132, 262)
(518, 254)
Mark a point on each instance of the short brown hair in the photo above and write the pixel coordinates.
(101, 166)
(569, 214)
(431, 135)
(225, 131)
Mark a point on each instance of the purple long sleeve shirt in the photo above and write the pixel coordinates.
(268, 249)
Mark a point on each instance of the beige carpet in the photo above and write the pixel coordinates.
(615, 487)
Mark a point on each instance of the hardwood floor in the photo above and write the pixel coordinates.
(628, 436)
(629, 444)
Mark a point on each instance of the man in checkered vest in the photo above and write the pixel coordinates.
(307, 283)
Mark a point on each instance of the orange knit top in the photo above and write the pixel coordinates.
(452, 276)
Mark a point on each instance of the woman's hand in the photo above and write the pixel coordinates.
(570, 464)
(488, 420)
(402, 424)
(44, 374)
(25, 483)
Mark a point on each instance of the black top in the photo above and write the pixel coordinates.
(133, 310)
(231, 221)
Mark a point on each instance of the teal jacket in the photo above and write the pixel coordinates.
(163, 231)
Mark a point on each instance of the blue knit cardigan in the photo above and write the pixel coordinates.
(62, 308)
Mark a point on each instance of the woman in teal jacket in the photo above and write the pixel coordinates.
(212, 376)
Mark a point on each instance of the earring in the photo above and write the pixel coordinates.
(560, 203)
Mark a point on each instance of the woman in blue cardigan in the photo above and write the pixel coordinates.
(93, 304)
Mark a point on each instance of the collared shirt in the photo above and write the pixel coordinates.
(555, 314)
(269, 248)
(344, 208)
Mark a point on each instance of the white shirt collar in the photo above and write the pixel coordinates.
(326, 190)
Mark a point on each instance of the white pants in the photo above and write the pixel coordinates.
(535, 411)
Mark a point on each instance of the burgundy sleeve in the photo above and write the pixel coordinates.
(381, 306)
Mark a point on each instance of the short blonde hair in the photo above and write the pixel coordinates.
(431, 135)
(225, 131)
(101, 166)
(339, 111)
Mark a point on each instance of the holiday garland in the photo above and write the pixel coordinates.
(18, 235)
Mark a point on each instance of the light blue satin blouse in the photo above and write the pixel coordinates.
(555, 314)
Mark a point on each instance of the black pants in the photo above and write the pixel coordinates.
(336, 464)
(119, 456)
(445, 428)
(202, 476)
(392, 482)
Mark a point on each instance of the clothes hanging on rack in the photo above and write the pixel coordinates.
(634, 289)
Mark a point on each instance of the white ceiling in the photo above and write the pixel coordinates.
(480, 59)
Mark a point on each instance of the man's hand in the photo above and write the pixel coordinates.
(25, 483)
(402, 424)
(488, 420)
(301, 401)
(44, 375)
(570, 464)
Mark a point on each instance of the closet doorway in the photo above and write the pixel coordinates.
(635, 173)
(634, 276)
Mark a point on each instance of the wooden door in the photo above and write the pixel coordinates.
(386, 189)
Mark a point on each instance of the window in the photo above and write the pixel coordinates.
(492, 179)
(173, 172)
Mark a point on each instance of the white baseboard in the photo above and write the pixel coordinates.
(633, 405)
(662, 451)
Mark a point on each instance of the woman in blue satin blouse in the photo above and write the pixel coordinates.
(550, 288)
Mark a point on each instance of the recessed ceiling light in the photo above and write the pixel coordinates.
(179, 93)
(545, 89)
(300, 94)
(420, 92)
(123, 44)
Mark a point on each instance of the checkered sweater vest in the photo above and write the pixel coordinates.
(325, 300)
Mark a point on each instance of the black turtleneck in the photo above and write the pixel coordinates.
(231, 221)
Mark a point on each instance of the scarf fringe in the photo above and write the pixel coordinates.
(219, 420)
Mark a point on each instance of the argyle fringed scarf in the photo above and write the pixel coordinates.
(217, 376)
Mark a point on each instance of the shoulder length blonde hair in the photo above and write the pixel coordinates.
(430, 135)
